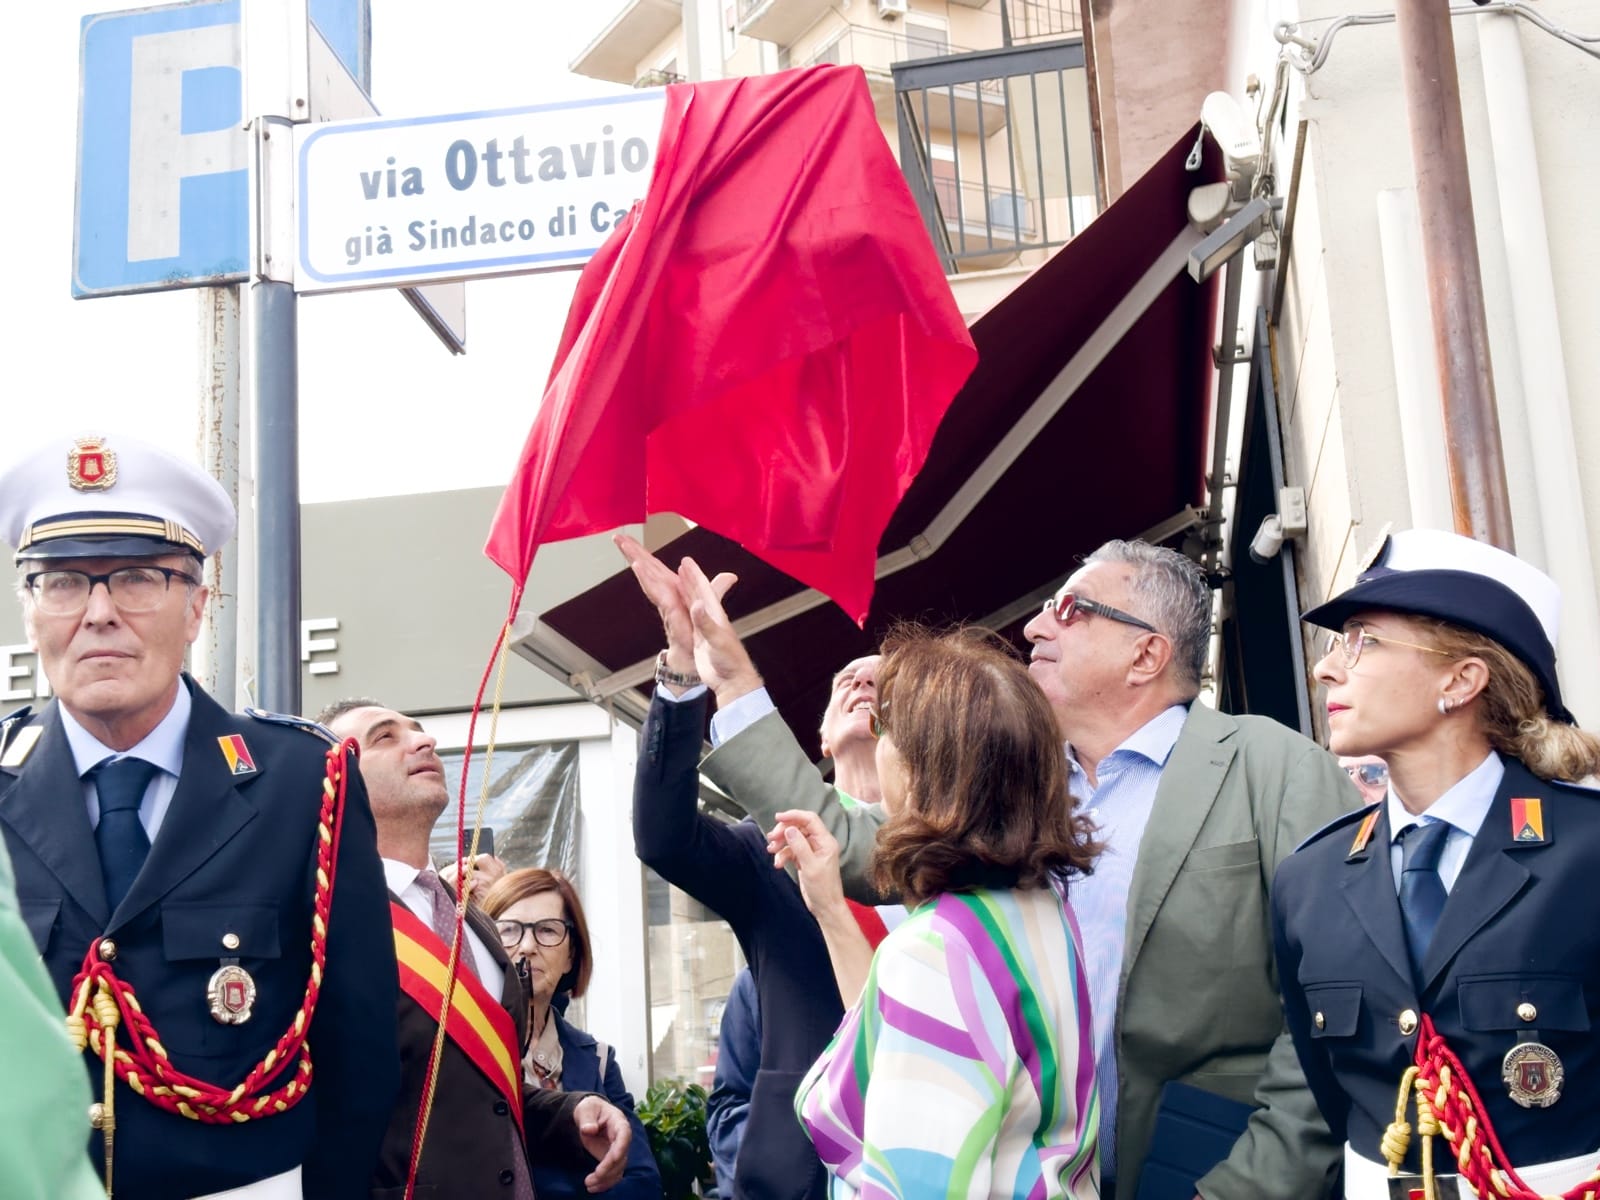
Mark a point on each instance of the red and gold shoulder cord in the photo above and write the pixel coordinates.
(101, 1002)
(1448, 1104)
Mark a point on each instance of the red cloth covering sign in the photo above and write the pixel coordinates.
(764, 346)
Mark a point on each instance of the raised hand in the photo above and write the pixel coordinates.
(801, 837)
(661, 587)
(719, 656)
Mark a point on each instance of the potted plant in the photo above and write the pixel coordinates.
(674, 1113)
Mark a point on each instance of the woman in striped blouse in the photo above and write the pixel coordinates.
(966, 1066)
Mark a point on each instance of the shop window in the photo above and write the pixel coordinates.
(693, 959)
(532, 806)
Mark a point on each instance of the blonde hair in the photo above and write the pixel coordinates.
(1511, 709)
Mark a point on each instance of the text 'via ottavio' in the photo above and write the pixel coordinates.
(389, 202)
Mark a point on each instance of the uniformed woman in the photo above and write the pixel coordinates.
(1450, 927)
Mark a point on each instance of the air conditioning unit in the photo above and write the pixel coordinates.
(890, 9)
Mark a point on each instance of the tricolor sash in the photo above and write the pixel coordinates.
(477, 1023)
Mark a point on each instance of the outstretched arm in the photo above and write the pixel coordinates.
(762, 767)
(699, 854)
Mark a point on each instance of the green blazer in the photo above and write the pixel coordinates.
(44, 1124)
(1199, 998)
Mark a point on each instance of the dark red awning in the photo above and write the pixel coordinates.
(1086, 419)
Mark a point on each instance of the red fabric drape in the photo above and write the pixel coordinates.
(765, 346)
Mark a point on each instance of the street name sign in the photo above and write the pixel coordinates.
(389, 202)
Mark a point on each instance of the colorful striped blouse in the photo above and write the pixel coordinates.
(967, 1067)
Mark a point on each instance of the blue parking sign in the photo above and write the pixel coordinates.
(163, 161)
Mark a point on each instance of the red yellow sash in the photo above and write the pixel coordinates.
(477, 1023)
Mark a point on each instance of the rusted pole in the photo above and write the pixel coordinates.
(1455, 283)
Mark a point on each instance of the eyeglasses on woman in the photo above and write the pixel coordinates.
(551, 931)
(1354, 638)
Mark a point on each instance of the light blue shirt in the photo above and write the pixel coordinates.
(1119, 804)
(162, 746)
(1463, 808)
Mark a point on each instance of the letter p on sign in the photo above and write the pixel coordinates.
(163, 178)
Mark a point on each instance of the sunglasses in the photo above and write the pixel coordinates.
(1066, 605)
(1369, 774)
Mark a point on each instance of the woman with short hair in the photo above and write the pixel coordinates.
(542, 927)
(1449, 925)
(966, 1066)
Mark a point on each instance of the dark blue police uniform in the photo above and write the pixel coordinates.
(1515, 959)
(235, 859)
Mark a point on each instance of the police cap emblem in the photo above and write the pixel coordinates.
(91, 465)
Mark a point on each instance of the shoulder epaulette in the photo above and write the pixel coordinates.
(1588, 789)
(305, 725)
(1340, 822)
(10, 723)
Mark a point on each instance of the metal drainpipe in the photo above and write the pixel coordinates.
(1455, 283)
(1542, 358)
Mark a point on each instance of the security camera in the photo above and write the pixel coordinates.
(1268, 540)
(1235, 134)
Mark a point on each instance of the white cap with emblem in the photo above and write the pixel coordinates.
(110, 497)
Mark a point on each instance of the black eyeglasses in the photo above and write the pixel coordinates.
(1369, 774)
(1066, 605)
(132, 589)
(551, 931)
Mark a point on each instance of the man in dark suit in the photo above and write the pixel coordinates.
(169, 851)
(483, 1124)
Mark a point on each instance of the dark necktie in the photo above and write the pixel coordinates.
(119, 836)
(444, 915)
(1422, 893)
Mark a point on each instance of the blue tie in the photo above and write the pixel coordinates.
(120, 837)
(1422, 893)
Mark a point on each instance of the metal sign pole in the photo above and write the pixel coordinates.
(277, 94)
(274, 364)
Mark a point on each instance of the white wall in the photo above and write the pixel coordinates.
(1335, 350)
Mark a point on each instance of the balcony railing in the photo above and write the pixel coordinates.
(876, 51)
(657, 78)
(998, 148)
(1025, 21)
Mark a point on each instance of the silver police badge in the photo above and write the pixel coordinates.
(1533, 1074)
(232, 994)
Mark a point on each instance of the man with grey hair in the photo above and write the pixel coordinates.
(1196, 809)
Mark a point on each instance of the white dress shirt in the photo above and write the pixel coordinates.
(402, 880)
(162, 746)
(1463, 807)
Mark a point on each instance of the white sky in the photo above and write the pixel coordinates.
(384, 408)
